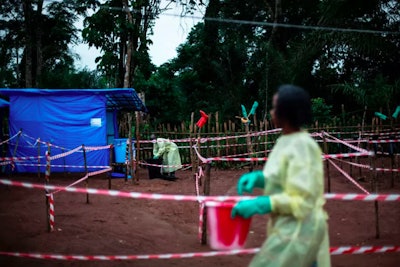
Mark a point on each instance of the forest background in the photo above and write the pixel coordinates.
(346, 53)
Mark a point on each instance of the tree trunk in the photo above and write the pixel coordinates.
(39, 33)
(121, 64)
(27, 6)
(277, 14)
(128, 59)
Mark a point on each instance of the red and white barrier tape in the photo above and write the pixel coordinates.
(236, 159)
(95, 148)
(164, 166)
(387, 170)
(99, 172)
(11, 138)
(387, 153)
(138, 195)
(129, 257)
(348, 155)
(83, 179)
(218, 146)
(384, 141)
(369, 167)
(355, 164)
(359, 197)
(206, 160)
(203, 140)
(60, 166)
(51, 211)
(346, 143)
(349, 178)
(346, 140)
(20, 158)
(6, 163)
(70, 185)
(63, 155)
(246, 154)
(88, 148)
(363, 250)
(333, 251)
(329, 156)
(37, 140)
(382, 133)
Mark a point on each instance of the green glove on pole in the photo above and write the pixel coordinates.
(244, 112)
(396, 113)
(380, 115)
(253, 108)
(248, 208)
(249, 181)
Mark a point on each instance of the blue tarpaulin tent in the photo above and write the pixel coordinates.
(67, 118)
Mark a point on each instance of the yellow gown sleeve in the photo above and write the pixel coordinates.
(300, 188)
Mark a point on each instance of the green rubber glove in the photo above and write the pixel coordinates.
(249, 181)
(155, 157)
(248, 208)
(396, 113)
(380, 115)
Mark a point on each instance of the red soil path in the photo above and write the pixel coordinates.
(116, 226)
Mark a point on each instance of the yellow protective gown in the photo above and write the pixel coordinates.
(169, 152)
(297, 228)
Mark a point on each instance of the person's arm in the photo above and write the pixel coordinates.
(299, 192)
(155, 148)
(161, 145)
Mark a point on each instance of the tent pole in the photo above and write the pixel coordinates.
(130, 154)
(134, 165)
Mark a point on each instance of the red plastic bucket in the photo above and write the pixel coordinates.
(224, 232)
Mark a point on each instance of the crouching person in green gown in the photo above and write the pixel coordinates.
(169, 152)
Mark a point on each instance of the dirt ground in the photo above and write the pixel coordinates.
(117, 226)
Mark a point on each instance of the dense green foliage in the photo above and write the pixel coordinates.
(223, 63)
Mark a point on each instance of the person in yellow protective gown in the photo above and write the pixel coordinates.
(293, 183)
(169, 152)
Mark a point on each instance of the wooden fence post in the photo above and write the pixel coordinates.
(206, 191)
(46, 182)
(111, 166)
(86, 172)
(326, 151)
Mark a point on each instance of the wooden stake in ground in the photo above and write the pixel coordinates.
(249, 145)
(326, 151)
(192, 153)
(15, 150)
(46, 182)
(207, 187)
(38, 171)
(375, 190)
(217, 129)
(86, 172)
